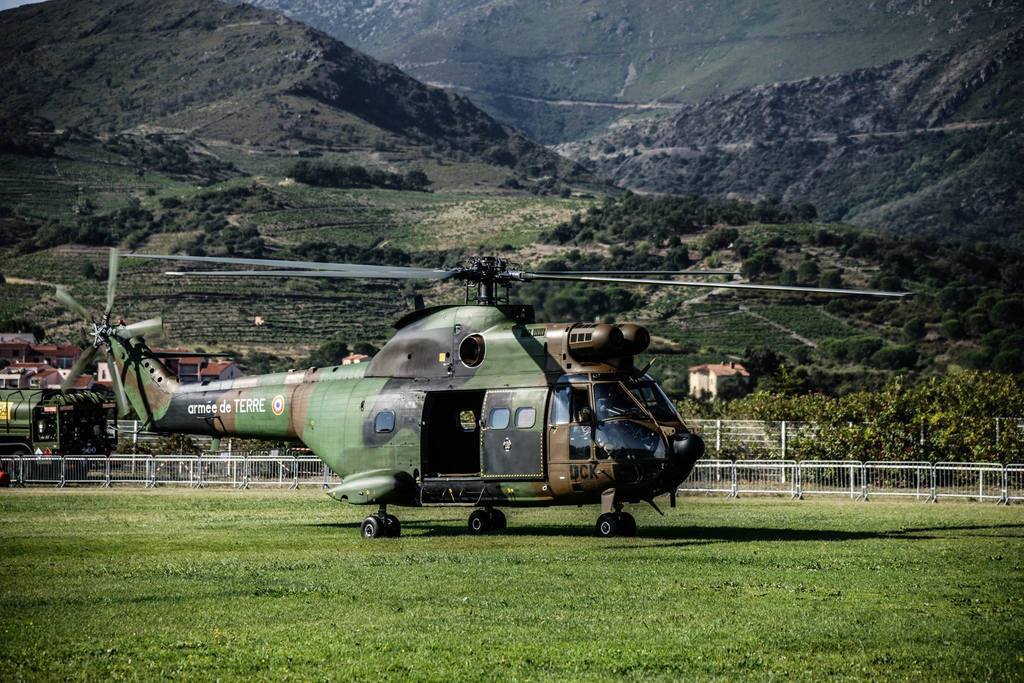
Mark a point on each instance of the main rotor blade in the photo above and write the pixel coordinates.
(716, 285)
(69, 301)
(119, 394)
(111, 281)
(635, 272)
(79, 367)
(154, 327)
(383, 274)
(353, 269)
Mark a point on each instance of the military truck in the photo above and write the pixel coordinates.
(56, 422)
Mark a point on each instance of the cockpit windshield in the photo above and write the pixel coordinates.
(654, 399)
(612, 402)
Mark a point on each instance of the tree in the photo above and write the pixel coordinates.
(1007, 313)
(953, 328)
(761, 361)
(914, 329)
(759, 264)
(807, 272)
(365, 348)
(1010, 362)
(719, 238)
(895, 357)
(330, 353)
(831, 279)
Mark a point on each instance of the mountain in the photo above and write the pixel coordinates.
(237, 75)
(928, 145)
(561, 70)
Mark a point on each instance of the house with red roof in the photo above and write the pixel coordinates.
(711, 380)
(30, 376)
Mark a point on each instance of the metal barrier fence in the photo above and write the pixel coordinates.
(766, 476)
(711, 476)
(906, 479)
(1014, 482)
(830, 478)
(795, 479)
(237, 471)
(983, 481)
(747, 439)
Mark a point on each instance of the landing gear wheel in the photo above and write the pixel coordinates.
(372, 527)
(627, 524)
(392, 527)
(498, 521)
(479, 522)
(608, 525)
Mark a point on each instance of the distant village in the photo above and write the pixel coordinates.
(28, 364)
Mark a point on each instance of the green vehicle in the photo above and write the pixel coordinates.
(55, 422)
(476, 405)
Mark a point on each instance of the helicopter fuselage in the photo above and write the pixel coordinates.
(471, 405)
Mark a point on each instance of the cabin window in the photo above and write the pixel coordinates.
(499, 418)
(526, 418)
(560, 405)
(467, 421)
(384, 422)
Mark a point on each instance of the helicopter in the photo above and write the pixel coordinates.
(474, 404)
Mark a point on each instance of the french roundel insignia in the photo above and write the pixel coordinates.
(277, 405)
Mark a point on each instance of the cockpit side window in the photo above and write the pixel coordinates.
(580, 404)
(611, 402)
(654, 399)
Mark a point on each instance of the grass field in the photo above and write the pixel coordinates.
(216, 584)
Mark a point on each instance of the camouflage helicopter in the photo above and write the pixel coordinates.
(475, 405)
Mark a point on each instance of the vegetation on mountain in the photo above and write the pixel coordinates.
(967, 310)
(333, 175)
(563, 70)
(660, 219)
(928, 145)
(235, 76)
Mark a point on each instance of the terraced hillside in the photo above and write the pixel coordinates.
(831, 344)
(60, 211)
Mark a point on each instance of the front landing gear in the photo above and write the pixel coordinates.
(486, 520)
(381, 525)
(616, 524)
(613, 521)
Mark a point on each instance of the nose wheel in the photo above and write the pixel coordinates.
(486, 520)
(619, 523)
(381, 525)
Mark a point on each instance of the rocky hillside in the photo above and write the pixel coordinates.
(929, 145)
(560, 70)
(237, 75)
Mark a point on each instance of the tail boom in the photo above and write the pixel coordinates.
(259, 407)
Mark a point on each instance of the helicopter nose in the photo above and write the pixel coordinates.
(687, 448)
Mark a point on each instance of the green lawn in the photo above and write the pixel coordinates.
(229, 584)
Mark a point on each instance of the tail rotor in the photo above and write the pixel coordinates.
(103, 331)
